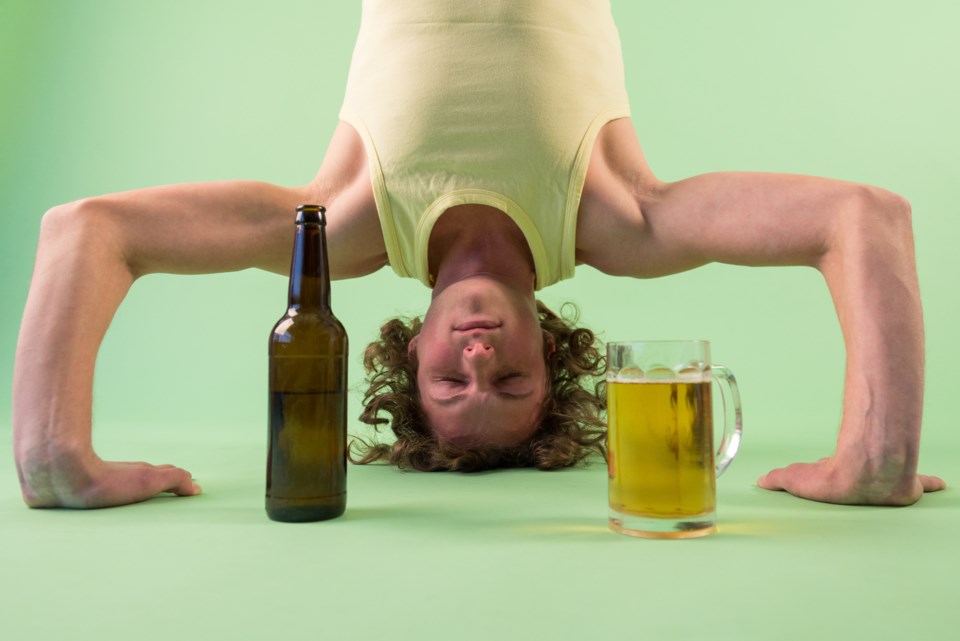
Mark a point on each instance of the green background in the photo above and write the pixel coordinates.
(103, 96)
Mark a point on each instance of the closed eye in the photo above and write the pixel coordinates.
(453, 380)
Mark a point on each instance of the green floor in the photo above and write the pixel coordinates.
(504, 555)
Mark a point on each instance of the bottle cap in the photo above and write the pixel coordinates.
(311, 215)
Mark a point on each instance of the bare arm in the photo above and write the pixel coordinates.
(860, 238)
(89, 254)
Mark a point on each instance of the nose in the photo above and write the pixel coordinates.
(478, 356)
(478, 350)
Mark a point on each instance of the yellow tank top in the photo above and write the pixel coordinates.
(491, 102)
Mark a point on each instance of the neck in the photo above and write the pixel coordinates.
(476, 240)
(309, 276)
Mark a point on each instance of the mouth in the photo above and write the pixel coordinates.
(480, 323)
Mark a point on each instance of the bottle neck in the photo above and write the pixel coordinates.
(309, 273)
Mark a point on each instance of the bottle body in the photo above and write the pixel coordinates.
(307, 450)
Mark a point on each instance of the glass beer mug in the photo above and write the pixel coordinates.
(663, 464)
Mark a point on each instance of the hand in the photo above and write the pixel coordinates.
(829, 481)
(95, 483)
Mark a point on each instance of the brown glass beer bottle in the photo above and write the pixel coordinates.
(307, 457)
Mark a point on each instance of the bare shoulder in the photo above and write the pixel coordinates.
(343, 186)
(619, 181)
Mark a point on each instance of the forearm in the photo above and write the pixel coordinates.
(80, 278)
(870, 270)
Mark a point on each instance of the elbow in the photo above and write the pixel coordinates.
(873, 225)
(85, 226)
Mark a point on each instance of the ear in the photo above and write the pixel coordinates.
(412, 348)
(549, 345)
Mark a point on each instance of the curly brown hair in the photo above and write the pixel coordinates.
(572, 425)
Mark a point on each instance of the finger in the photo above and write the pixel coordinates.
(932, 483)
(173, 479)
(773, 480)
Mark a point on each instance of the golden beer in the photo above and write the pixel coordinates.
(660, 439)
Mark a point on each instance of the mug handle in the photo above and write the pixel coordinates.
(732, 416)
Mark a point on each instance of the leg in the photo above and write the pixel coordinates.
(860, 239)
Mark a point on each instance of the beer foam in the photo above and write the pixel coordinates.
(660, 375)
